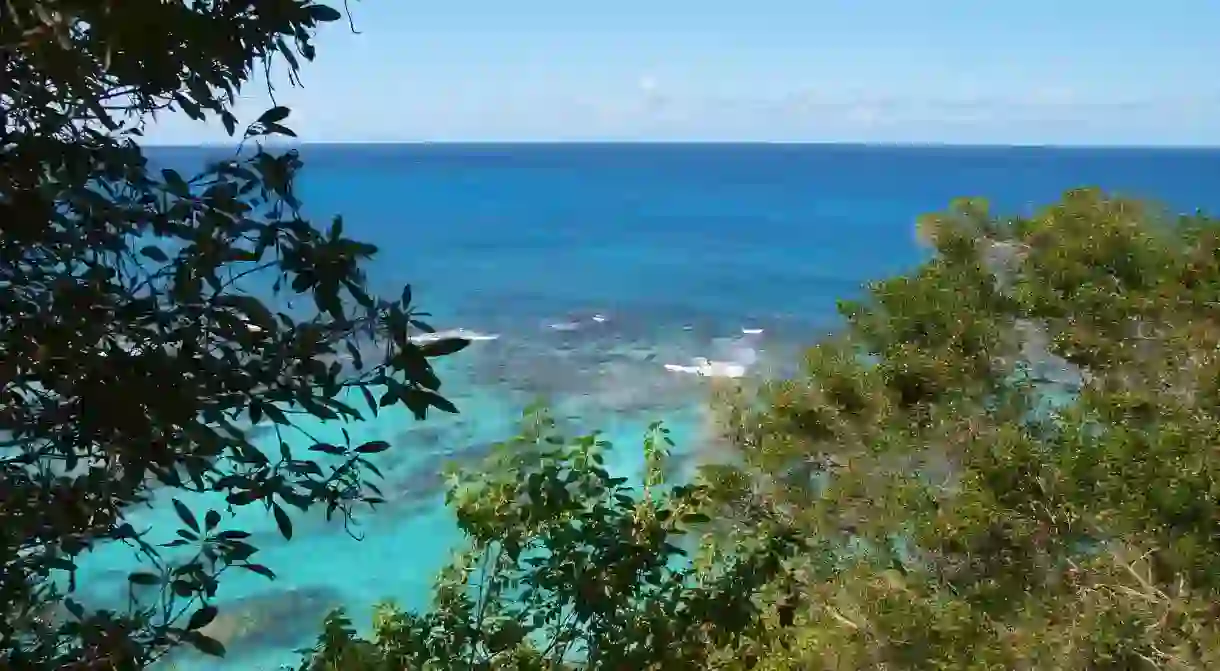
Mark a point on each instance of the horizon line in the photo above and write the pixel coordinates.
(892, 144)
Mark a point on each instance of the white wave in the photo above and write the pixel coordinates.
(708, 368)
(454, 333)
(576, 324)
(740, 349)
(734, 357)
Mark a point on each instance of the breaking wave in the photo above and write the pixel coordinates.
(473, 336)
(740, 354)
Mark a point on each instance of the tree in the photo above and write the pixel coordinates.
(140, 329)
(1005, 459)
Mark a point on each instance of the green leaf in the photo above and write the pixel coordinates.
(416, 400)
(206, 645)
(354, 353)
(444, 346)
(274, 115)
(74, 608)
(390, 397)
(440, 402)
(422, 325)
(185, 514)
(143, 578)
(239, 551)
(277, 129)
(374, 407)
(184, 589)
(275, 414)
(259, 569)
(317, 409)
(175, 184)
(373, 447)
(327, 448)
(323, 14)
(154, 253)
(242, 497)
(202, 617)
(211, 520)
(282, 521)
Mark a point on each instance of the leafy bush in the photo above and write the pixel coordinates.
(1026, 454)
(567, 567)
(1005, 460)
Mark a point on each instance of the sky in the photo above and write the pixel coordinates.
(908, 71)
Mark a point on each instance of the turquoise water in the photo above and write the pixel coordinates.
(584, 270)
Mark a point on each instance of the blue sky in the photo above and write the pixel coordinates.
(957, 71)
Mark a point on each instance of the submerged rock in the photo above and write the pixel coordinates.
(272, 618)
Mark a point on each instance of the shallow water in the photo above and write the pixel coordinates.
(589, 269)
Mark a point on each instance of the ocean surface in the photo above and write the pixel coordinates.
(602, 278)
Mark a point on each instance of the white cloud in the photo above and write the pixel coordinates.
(1050, 103)
(647, 108)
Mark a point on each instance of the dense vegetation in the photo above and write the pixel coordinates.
(1005, 461)
(137, 339)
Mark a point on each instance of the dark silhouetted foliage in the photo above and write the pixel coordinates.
(143, 325)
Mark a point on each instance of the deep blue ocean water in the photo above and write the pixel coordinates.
(585, 269)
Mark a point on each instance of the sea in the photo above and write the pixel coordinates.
(614, 283)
